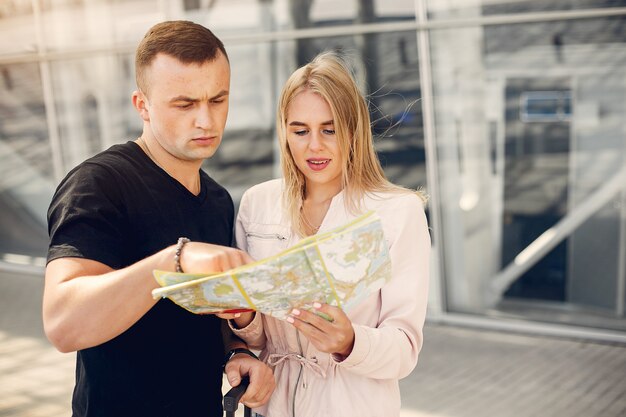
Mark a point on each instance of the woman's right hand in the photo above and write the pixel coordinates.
(239, 320)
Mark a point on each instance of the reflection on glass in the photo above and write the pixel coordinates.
(25, 164)
(327, 13)
(545, 106)
(536, 134)
(16, 27)
(528, 130)
(69, 25)
(93, 105)
(461, 8)
(526, 6)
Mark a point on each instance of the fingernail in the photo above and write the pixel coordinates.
(290, 319)
(295, 312)
(237, 315)
(317, 305)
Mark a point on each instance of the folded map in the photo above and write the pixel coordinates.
(340, 267)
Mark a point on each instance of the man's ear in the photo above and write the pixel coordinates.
(140, 102)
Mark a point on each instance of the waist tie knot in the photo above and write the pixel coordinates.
(311, 364)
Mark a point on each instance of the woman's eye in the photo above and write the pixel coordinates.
(184, 106)
(329, 131)
(300, 132)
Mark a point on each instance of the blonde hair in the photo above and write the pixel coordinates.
(328, 75)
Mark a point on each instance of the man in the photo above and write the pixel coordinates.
(117, 217)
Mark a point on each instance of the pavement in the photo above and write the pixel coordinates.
(462, 372)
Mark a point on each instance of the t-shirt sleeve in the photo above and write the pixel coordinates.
(86, 218)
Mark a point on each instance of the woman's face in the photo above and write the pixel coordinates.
(312, 140)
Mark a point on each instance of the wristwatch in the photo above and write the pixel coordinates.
(235, 351)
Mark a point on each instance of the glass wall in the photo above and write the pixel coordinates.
(531, 154)
(519, 105)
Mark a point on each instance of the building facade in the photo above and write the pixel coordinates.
(510, 114)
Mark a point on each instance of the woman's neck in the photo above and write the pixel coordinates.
(317, 200)
(316, 194)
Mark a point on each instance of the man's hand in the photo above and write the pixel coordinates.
(197, 257)
(262, 382)
(87, 303)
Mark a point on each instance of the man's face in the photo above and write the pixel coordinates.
(186, 106)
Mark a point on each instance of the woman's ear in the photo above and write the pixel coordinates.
(140, 102)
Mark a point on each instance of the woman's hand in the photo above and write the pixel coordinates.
(335, 335)
(241, 319)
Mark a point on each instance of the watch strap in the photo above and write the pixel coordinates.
(235, 351)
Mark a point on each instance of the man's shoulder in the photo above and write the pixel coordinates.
(117, 155)
(111, 160)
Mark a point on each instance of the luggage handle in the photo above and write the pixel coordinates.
(232, 397)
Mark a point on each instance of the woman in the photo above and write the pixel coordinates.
(349, 366)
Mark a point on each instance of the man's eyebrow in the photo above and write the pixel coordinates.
(220, 95)
(194, 100)
(184, 98)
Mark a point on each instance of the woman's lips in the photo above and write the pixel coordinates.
(317, 164)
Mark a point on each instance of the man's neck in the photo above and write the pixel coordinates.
(185, 172)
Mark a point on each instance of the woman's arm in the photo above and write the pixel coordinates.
(391, 349)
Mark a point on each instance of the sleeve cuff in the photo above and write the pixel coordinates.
(360, 350)
(253, 329)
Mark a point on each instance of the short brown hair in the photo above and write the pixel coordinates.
(186, 41)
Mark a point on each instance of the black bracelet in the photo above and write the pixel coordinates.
(235, 351)
(179, 250)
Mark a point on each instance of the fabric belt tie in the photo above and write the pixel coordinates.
(311, 364)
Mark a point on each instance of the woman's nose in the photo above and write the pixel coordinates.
(315, 144)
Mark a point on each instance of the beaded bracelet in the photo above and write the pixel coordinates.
(179, 249)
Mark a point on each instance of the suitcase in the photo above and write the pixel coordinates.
(231, 399)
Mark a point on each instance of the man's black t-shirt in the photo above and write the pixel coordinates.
(118, 208)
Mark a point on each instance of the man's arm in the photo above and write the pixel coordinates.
(87, 303)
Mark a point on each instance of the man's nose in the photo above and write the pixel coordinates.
(204, 117)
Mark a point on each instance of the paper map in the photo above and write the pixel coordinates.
(340, 267)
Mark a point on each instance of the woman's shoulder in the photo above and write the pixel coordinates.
(268, 190)
(400, 212)
(394, 201)
(262, 202)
